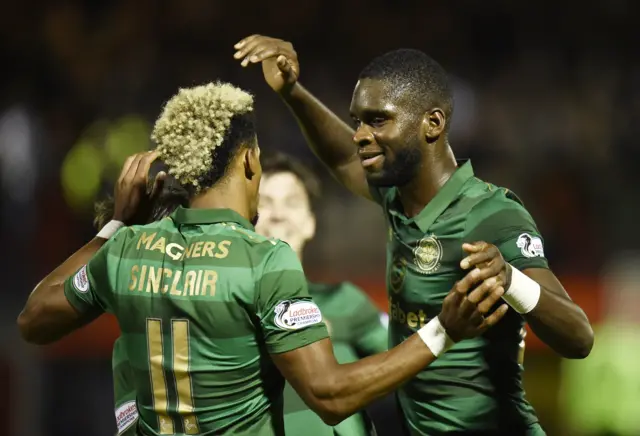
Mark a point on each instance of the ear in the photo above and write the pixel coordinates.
(252, 162)
(433, 124)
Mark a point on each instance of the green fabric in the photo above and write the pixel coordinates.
(201, 301)
(477, 385)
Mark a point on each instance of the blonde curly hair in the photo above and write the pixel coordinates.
(200, 128)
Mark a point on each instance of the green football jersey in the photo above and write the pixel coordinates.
(202, 301)
(356, 331)
(477, 385)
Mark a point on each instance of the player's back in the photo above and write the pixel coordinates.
(185, 298)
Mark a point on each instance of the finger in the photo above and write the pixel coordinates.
(262, 53)
(126, 166)
(484, 289)
(467, 310)
(492, 298)
(474, 247)
(464, 286)
(133, 168)
(244, 41)
(287, 68)
(158, 184)
(142, 174)
(248, 50)
(476, 259)
(495, 317)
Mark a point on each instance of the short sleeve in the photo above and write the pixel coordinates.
(288, 316)
(514, 232)
(87, 290)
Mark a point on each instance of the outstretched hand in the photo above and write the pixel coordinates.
(279, 60)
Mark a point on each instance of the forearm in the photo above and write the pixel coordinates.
(351, 387)
(39, 314)
(562, 325)
(330, 138)
(539, 296)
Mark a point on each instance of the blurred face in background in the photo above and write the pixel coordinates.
(285, 210)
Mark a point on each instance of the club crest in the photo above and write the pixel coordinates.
(428, 254)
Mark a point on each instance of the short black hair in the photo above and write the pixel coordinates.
(413, 70)
(277, 162)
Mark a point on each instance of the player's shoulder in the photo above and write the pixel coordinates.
(484, 200)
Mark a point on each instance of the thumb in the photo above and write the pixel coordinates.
(158, 184)
(285, 68)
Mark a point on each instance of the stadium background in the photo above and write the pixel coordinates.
(548, 104)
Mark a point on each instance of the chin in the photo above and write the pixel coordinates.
(381, 179)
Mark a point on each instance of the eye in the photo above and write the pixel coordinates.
(355, 122)
(378, 122)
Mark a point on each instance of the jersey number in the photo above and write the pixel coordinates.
(180, 368)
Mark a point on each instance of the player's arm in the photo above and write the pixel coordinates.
(62, 301)
(330, 138)
(532, 289)
(303, 354)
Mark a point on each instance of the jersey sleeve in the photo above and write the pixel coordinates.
(512, 229)
(288, 316)
(88, 290)
(368, 331)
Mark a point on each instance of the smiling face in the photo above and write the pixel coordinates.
(285, 209)
(388, 132)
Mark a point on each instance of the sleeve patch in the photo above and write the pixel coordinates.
(295, 315)
(81, 281)
(126, 416)
(530, 246)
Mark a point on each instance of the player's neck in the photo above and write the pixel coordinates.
(435, 170)
(225, 196)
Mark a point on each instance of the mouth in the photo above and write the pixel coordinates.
(370, 158)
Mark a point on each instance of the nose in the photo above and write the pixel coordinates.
(363, 136)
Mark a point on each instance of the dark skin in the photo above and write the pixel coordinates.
(385, 123)
(332, 390)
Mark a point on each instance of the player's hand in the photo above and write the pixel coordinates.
(279, 60)
(488, 262)
(464, 314)
(133, 194)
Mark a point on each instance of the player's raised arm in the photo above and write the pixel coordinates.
(48, 314)
(330, 138)
(296, 340)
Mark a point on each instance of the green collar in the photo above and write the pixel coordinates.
(183, 215)
(441, 201)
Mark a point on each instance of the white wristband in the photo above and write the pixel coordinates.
(435, 337)
(110, 229)
(523, 293)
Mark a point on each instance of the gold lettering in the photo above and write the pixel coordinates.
(153, 282)
(187, 252)
(210, 279)
(198, 281)
(159, 245)
(208, 249)
(412, 320)
(134, 278)
(143, 274)
(223, 248)
(146, 240)
(190, 282)
(158, 383)
(175, 255)
(423, 318)
(174, 285)
(168, 273)
(196, 249)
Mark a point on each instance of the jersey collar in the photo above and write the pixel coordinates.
(183, 215)
(443, 198)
